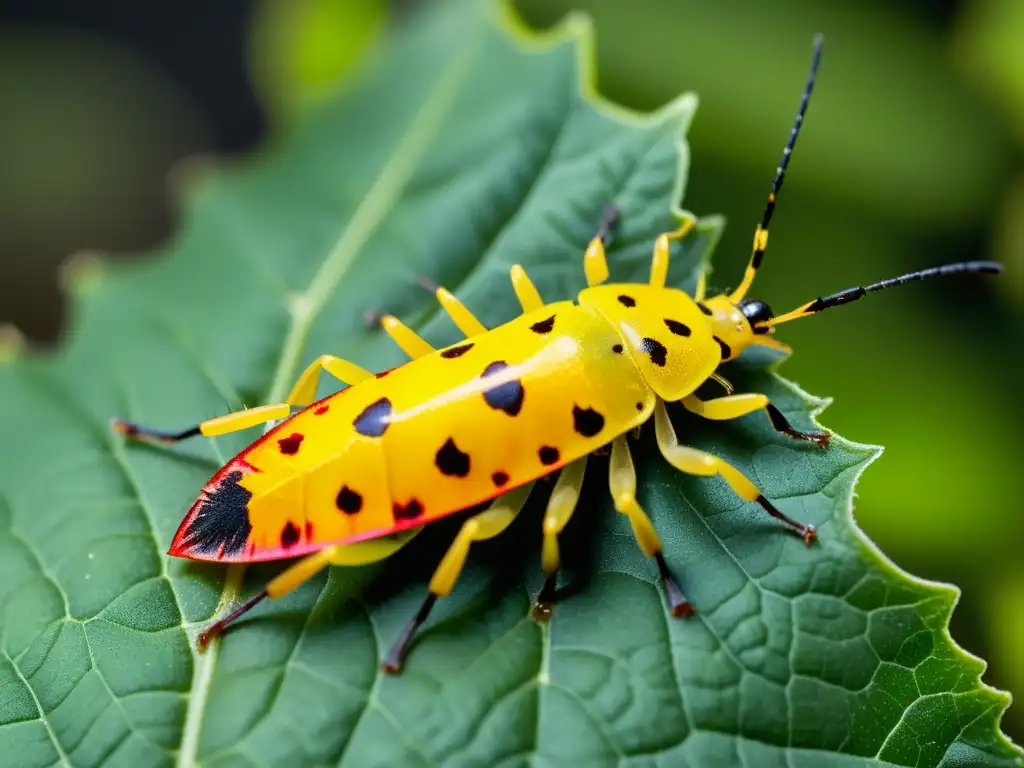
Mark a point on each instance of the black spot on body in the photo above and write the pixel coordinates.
(290, 445)
(458, 351)
(222, 519)
(507, 397)
(726, 349)
(617, 349)
(548, 455)
(639, 406)
(655, 350)
(451, 461)
(289, 535)
(704, 308)
(408, 511)
(587, 421)
(679, 329)
(322, 410)
(373, 421)
(350, 502)
(543, 326)
(627, 301)
(499, 478)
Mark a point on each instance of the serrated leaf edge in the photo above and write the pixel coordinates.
(949, 593)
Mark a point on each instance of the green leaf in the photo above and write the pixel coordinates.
(463, 148)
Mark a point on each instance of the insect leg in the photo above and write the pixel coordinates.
(302, 394)
(696, 462)
(304, 391)
(734, 406)
(622, 480)
(595, 264)
(483, 525)
(659, 263)
(702, 287)
(360, 553)
(764, 340)
(406, 338)
(561, 505)
(221, 425)
(464, 319)
(526, 292)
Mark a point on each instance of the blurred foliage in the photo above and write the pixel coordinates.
(904, 162)
(1006, 625)
(87, 132)
(300, 48)
(989, 52)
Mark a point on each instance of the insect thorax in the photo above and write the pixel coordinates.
(664, 332)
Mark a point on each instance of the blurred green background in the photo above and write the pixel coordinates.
(911, 156)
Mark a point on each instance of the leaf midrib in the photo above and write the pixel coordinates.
(305, 309)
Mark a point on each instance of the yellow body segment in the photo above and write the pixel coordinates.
(483, 416)
(665, 332)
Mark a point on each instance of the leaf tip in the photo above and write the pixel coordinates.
(12, 343)
(682, 108)
(81, 272)
(188, 174)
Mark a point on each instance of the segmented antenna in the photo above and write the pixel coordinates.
(860, 291)
(761, 233)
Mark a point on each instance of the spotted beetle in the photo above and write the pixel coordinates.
(351, 478)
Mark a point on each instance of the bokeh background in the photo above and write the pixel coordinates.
(912, 155)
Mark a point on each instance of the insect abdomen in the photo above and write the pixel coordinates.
(442, 433)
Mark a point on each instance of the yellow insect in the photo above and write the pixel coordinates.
(352, 477)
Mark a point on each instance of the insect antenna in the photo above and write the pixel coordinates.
(852, 294)
(761, 233)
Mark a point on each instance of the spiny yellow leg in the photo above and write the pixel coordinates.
(702, 287)
(697, 462)
(526, 292)
(595, 263)
(734, 406)
(406, 338)
(723, 382)
(764, 340)
(723, 408)
(659, 264)
(364, 552)
(304, 391)
(302, 394)
(622, 480)
(360, 553)
(234, 422)
(221, 425)
(483, 525)
(561, 506)
(464, 320)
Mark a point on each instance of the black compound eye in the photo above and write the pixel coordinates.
(756, 311)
